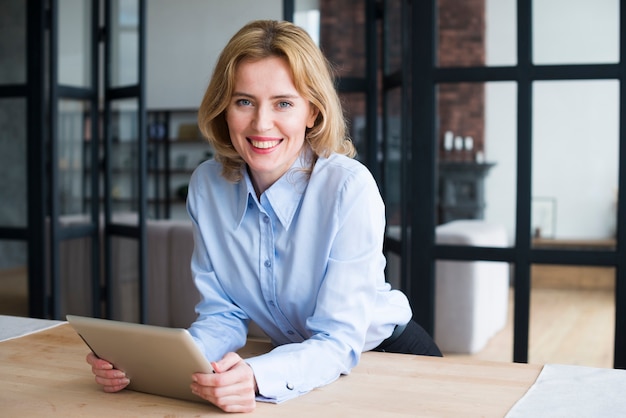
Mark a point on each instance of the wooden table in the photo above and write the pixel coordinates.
(45, 374)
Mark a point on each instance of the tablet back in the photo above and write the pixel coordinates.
(157, 360)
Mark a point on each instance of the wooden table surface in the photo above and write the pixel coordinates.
(45, 374)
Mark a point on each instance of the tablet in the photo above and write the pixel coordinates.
(157, 360)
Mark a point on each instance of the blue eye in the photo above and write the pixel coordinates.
(243, 102)
(284, 105)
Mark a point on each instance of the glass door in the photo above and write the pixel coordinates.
(125, 162)
(72, 222)
(19, 133)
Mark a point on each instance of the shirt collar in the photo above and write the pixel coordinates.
(283, 196)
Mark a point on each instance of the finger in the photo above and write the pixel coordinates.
(111, 374)
(98, 363)
(235, 401)
(112, 384)
(226, 363)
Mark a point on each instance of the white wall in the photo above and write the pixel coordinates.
(575, 123)
(184, 39)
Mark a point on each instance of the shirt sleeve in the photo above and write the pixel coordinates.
(221, 326)
(345, 298)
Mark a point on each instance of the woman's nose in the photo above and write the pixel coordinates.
(263, 120)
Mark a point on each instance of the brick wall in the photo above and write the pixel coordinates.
(461, 44)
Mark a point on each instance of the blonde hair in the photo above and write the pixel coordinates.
(312, 76)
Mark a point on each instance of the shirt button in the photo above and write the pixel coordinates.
(266, 219)
(289, 385)
(271, 303)
(268, 263)
(290, 332)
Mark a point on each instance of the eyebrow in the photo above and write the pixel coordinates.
(278, 96)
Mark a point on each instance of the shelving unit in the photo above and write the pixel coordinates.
(175, 150)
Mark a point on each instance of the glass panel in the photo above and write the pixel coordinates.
(473, 309)
(13, 168)
(576, 203)
(342, 36)
(393, 158)
(124, 185)
(307, 16)
(125, 279)
(569, 307)
(13, 42)
(393, 269)
(476, 33)
(575, 32)
(74, 157)
(124, 64)
(13, 278)
(74, 43)
(354, 109)
(75, 273)
(393, 37)
(477, 158)
(501, 32)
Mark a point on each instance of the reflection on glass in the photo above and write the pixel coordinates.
(477, 156)
(342, 37)
(13, 267)
(577, 124)
(74, 43)
(124, 64)
(393, 270)
(124, 158)
(74, 157)
(13, 42)
(393, 153)
(354, 110)
(473, 312)
(13, 168)
(569, 307)
(307, 16)
(575, 32)
(75, 276)
(393, 37)
(125, 279)
(14, 276)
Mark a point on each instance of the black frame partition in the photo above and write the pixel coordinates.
(43, 233)
(112, 229)
(421, 193)
(87, 94)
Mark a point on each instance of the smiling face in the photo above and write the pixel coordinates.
(267, 119)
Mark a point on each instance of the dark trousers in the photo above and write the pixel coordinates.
(414, 340)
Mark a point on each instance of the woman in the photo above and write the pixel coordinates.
(288, 230)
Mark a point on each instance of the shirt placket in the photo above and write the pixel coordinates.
(268, 270)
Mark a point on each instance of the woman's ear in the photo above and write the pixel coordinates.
(314, 113)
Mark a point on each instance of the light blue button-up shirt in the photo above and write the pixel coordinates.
(304, 262)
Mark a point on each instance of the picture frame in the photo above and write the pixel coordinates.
(543, 217)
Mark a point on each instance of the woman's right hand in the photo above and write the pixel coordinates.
(111, 379)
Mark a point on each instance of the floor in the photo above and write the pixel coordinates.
(567, 325)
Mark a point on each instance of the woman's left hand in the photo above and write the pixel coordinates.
(231, 388)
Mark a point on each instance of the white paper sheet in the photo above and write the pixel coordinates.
(16, 326)
(574, 391)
